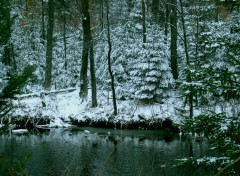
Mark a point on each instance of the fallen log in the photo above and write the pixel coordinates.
(43, 93)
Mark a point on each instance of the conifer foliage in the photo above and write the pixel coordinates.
(150, 73)
(14, 85)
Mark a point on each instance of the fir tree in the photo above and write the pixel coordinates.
(14, 85)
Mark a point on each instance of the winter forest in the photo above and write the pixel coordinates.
(130, 64)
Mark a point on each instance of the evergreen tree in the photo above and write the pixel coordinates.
(149, 69)
(14, 86)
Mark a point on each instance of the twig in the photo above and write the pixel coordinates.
(221, 171)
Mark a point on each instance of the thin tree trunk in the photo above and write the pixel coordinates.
(43, 22)
(64, 36)
(166, 19)
(174, 55)
(144, 23)
(109, 63)
(49, 57)
(102, 15)
(93, 78)
(189, 78)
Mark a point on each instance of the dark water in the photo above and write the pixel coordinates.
(123, 152)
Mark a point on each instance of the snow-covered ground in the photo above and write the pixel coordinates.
(63, 106)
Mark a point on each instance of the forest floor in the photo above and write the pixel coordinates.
(67, 105)
(63, 107)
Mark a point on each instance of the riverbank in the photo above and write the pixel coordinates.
(63, 107)
(69, 108)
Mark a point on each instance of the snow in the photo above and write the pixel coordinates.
(19, 131)
(60, 107)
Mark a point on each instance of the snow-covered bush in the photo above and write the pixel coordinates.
(222, 133)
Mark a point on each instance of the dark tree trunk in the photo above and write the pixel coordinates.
(155, 10)
(93, 78)
(5, 30)
(64, 35)
(166, 19)
(49, 57)
(189, 78)
(87, 52)
(43, 22)
(144, 23)
(216, 10)
(130, 5)
(173, 22)
(84, 67)
(102, 15)
(109, 63)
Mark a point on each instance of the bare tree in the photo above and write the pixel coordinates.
(189, 77)
(109, 61)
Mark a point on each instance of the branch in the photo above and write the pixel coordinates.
(227, 167)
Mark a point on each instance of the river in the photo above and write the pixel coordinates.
(103, 152)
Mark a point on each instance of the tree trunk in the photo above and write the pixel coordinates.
(166, 20)
(155, 10)
(64, 35)
(189, 78)
(109, 63)
(130, 5)
(49, 57)
(6, 32)
(87, 52)
(43, 22)
(173, 22)
(144, 23)
(84, 68)
(102, 15)
(93, 78)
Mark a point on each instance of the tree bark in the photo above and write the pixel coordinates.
(166, 20)
(6, 32)
(189, 78)
(49, 57)
(87, 52)
(102, 15)
(174, 55)
(43, 22)
(144, 23)
(93, 78)
(64, 35)
(109, 63)
(155, 10)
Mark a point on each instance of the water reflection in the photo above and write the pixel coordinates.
(92, 151)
